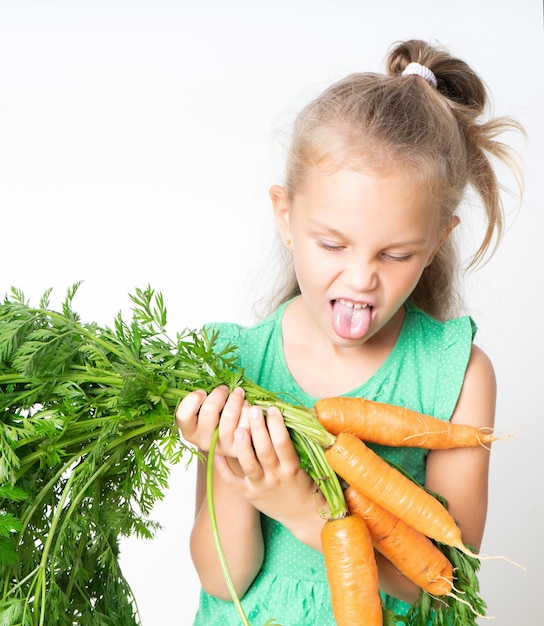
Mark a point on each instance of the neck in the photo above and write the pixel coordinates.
(323, 368)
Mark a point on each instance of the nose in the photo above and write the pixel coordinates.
(361, 274)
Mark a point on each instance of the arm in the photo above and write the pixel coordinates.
(240, 533)
(257, 470)
(197, 417)
(459, 475)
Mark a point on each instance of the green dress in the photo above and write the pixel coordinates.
(424, 371)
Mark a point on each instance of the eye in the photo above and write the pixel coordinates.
(331, 247)
(396, 258)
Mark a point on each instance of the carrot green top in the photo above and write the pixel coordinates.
(424, 372)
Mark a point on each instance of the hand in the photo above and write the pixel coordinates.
(199, 414)
(271, 478)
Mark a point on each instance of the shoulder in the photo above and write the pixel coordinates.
(448, 342)
(450, 331)
(480, 364)
(477, 399)
(246, 340)
(434, 354)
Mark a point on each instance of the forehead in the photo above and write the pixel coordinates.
(352, 201)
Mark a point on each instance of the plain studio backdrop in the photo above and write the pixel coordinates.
(138, 141)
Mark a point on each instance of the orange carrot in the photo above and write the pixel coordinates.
(362, 468)
(411, 552)
(391, 425)
(351, 571)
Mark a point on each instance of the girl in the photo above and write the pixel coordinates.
(377, 169)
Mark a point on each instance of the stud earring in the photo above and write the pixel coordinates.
(287, 242)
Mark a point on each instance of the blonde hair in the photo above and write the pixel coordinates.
(370, 120)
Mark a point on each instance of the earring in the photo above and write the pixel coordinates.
(287, 242)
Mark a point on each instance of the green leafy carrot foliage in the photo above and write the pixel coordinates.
(87, 442)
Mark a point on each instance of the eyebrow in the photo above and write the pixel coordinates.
(336, 233)
(328, 229)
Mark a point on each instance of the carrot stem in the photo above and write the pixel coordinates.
(215, 531)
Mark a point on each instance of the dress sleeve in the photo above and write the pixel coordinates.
(227, 335)
(457, 342)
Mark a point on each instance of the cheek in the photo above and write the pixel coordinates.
(311, 266)
(404, 282)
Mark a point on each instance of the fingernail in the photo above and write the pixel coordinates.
(255, 412)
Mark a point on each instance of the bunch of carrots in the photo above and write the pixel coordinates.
(387, 511)
(87, 436)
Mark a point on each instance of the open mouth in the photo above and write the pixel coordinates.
(351, 320)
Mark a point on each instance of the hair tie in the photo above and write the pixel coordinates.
(420, 70)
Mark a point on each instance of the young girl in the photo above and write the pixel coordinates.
(377, 169)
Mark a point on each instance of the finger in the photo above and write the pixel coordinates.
(214, 403)
(244, 416)
(230, 415)
(281, 440)
(210, 411)
(264, 447)
(245, 453)
(226, 473)
(187, 412)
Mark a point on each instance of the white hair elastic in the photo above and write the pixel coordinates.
(420, 70)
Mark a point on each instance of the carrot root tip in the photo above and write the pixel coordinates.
(490, 557)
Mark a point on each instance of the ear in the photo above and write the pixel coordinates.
(455, 221)
(280, 204)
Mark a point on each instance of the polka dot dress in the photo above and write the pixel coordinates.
(423, 372)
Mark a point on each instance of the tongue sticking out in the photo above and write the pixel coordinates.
(349, 321)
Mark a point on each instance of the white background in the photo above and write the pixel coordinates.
(137, 144)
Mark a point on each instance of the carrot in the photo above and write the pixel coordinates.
(351, 571)
(362, 468)
(411, 552)
(392, 425)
